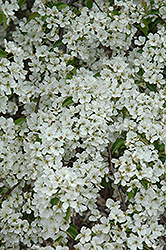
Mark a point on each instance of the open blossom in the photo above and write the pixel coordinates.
(82, 124)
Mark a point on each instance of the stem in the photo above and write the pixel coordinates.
(37, 105)
(110, 158)
(97, 5)
(161, 18)
(10, 190)
(112, 171)
(122, 198)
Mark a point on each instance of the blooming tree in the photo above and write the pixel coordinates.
(83, 125)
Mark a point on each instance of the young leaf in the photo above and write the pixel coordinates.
(21, 2)
(146, 24)
(144, 30)
(89, 4)
(57, 43)
(39, 140)
(117, 144)
(130, 195)
(55, 201)
(32, 16)
(68, 214)
(61, 5)
(153, 11)
(74, 71)
(72, 231)
(153, 25)
(140, 72)
(150, 87)
(3, 19)
(58, 241)
(162, 147)
(67, 101)
(97, 75)
(2, 53)
(144, 183)
(19, 121)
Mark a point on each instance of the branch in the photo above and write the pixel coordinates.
(110, 158)
(161, 18)
(112, 171)
(10, 190)
(37, 105)
(97, 5)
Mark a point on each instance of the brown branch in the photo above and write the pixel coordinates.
(10, 190)
(161, 18)
(37, 105)
(122, 198)
(112, 171)
(110, 158)
(97, 5)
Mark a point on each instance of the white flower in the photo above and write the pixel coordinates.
(134, 242)
(85, 235)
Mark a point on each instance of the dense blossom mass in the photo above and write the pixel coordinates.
(83, 125)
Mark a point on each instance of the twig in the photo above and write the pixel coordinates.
(122, 198)
(97, 5)
(161, 18)
(37, 105)
(112, 171)
(10, 190)
(110, 158)
(73, 221)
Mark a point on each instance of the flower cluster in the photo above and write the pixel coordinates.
(83, 126)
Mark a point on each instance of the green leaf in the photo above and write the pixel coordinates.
(153, 24)
(121, 150)
(111, 2)
(140, 72)
(69, 76)
(159, 147)
(74, 71)
(61, 5)
(9, 96)
(68, 214)
(58, 240)
(19, 121)
(162, 147)
(70, 62)
(162, 157)
(57, 43)
(3, 19)
(146, 24)
(105, 184)
(39, 140)
(67, 101)
(140, 51)
(150, 87)
(2, 53)
(144, 183)
(130, 195)
(124, 111)
(153, 11)
(32, 16)
(72, 231)
(21, 2)
(97, 75)
(144, 30)
(117, 144)
(145, 247)
(55, 201)
(156, 145)
(89, 4)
